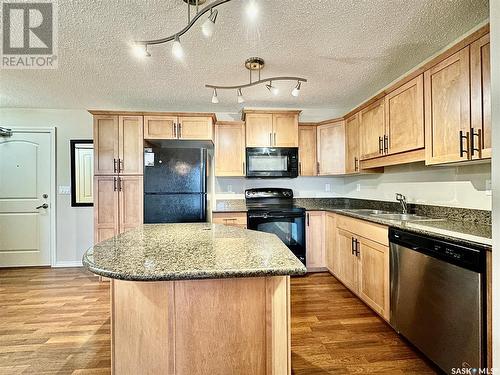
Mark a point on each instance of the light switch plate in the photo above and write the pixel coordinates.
(64, 190)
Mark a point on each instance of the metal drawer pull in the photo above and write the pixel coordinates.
(114, 183)
(356, 164)
(352, 246)
(479, 136)
(120, 165)
(357, 247)
(115, 166)
(380, 145)
(386, 144)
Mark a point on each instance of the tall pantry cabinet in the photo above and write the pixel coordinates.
(118, 174)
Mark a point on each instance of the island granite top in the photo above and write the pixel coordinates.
(158, 252)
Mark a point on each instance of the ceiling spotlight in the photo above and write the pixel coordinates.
(141, 50)
(274, 90)
(241, 99)
(208, 26)
(296, 90)
(177, 50)
(252, 10)
(215, 99)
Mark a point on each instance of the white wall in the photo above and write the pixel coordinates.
(464, 186)
(74, 224)
(495, 117)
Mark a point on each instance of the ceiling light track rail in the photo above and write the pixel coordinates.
(191, 21)
(270, 79)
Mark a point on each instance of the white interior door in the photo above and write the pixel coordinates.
(25, 199)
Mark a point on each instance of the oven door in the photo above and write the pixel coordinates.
(290, 228)
(268, 162)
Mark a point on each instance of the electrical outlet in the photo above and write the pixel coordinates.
(358, 187)
(229, 188)
(328, 187)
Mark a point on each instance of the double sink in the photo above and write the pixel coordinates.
(388, 215)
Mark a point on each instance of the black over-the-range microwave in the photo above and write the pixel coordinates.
(272, 162)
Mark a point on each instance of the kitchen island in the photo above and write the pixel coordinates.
(197, 299)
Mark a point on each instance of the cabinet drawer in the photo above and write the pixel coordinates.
(233, 218)
(375, 232)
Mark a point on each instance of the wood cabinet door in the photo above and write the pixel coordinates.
(347, 261)
(480, 72)
(352, 144)
(447, 109)
(307, 150)
(374, 275)
(105, 145)
(372, 130)
(331, 148)
(315, 246)
(198, 128)
(131, 145)
(285, 130)
(404, 115)
(230, 148)
(160, 127)
(105, 207)
(331, 252)
(259, 129)
(131, 199)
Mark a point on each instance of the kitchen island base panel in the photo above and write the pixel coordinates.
(213, 326)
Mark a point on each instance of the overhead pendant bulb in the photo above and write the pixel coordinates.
(296, 90)
(177, 50)
(252, 10)
(215, 99)
(141, 50)
(241, 99)
(274, 90)
(208, 27)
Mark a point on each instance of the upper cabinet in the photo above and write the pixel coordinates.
(179, 127)
(230, 148)
(352, 144)
(331, 148)
(404, 117)
(272, 129)
(447, 109)
(480, 71)
(118, 145)
(307, 150)
(372, 130)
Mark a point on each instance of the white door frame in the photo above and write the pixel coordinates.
(53, 230)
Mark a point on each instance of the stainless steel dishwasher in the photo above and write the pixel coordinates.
(437, 298)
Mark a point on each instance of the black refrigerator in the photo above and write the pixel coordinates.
(175, 185)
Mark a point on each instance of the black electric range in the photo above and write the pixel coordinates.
(271, 210)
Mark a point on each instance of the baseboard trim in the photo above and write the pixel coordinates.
(75, 263)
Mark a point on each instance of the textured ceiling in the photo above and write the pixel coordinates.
(347, 49)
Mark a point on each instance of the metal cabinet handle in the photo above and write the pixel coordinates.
(119, 184)
(462, 137)
(380, 145)
(479, 136)
(307, 218)
(317, 167)
(120, 165)
(180, 129)
(270, 139)
(114, 183)
(386, 144)
(45, 205)
(300, 168)
(174, 130)
(275, 139)
(244, 171)
(357, 247)
(356, 164)
(115, 165)
(352, 246)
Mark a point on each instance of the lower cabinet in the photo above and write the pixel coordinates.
(315, 241)
(233, 219)
(118, 205)
(359, 255)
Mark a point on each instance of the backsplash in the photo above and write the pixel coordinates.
(460, 186)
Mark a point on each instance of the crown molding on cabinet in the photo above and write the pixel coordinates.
(143, 113)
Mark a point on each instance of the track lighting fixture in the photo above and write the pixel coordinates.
(141, 50)
(215, 99)
(177, 50)
(296, 90)
(241, 99)
(256, 64)
(208, 26)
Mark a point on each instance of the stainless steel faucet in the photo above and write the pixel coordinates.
(402, 199)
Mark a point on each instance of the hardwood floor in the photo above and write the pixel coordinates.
(56, 321)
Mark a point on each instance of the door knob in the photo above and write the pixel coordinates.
(45, 205)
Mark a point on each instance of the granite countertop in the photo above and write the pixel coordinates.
(157, 252)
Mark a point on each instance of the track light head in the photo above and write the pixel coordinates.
(215, 99)
(141, 50)
(296, 90)
(241, 99)
(177, 50)
(208, 27)
(273, 90)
